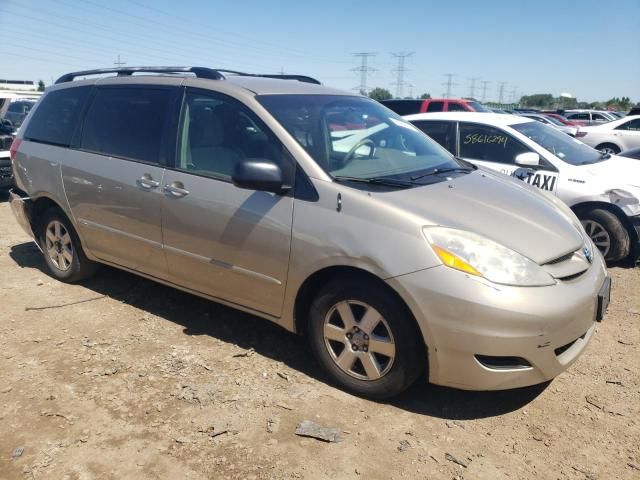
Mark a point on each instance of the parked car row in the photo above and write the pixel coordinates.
(332, 216)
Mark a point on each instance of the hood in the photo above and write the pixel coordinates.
(498, 207)
(617, 171)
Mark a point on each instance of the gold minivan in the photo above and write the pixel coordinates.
(314, 208)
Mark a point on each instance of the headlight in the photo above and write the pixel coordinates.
(479, 256)
(629, 203)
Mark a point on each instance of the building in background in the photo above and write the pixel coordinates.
(18, 85)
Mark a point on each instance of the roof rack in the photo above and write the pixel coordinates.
(200, 72)
(300, 78)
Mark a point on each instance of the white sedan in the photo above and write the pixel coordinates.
(613, 137)
(602, 190)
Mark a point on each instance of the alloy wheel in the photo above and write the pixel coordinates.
(599, 236)
(359, 340)
(58, 245)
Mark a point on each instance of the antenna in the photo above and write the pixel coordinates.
(364, 69)
(400, 70)
(449, 83)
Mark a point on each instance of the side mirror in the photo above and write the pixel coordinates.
(258, 174)
(528, 159)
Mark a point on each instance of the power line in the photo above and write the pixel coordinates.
(449, 83)
(400, 70)
(364, 69)
(484, 89)
(472, 86)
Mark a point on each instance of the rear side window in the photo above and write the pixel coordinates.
(403, 107)
(56, 117)
(456, 107)
(630, 125)
(128, 122)
(442, 132)
(435, 106)
(578, 116)
(599, 116)
(482, 142)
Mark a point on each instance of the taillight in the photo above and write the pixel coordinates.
(13, 149)
(580, 134)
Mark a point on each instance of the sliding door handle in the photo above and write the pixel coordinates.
(176, 189)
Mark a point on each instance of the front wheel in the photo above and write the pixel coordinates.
(609, 148)
(607, 233)
(365, 338)
(63, 252)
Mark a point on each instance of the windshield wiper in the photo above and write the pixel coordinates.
(376, 181)
(436, 171)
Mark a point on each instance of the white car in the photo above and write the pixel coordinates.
(589, 117)
(603, 190)
(613, 137)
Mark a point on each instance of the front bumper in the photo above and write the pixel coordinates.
(464, 320)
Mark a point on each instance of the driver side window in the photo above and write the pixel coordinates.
(217, 132)
(482, 142)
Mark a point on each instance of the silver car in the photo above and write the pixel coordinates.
(321, 211)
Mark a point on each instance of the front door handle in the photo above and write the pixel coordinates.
(147, 182)
(176, 189)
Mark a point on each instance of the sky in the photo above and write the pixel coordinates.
(587, 48)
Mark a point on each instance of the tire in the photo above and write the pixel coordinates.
(390, 346)
(609, 148)
(63, 252)
(608, 233)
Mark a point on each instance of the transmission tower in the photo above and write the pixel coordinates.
(501, 92)
(472, 86)
(119, 63)
(513, 94)
(364, 69)
(400, 71)
(410, 85)
(484, 89)
(449, 83)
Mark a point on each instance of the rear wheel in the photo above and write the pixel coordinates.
(609, 148)
(63, 252)
(365, 338)
(607, 233)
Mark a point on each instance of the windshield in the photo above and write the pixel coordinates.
(357, 138)
(478, 107)
(559, 143)
(555, 121)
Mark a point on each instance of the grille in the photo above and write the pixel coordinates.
(561, 259)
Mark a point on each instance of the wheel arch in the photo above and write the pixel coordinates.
(317, 280)
(617, 211)
(607, 143)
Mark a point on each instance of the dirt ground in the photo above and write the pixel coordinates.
(122, 378)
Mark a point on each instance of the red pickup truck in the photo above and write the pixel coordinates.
(409, 107)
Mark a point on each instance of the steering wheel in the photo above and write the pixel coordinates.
(351, 153)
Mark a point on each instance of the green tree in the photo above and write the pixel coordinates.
(40, 86)
(425, 96)
(380, 94)
(539, 100)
